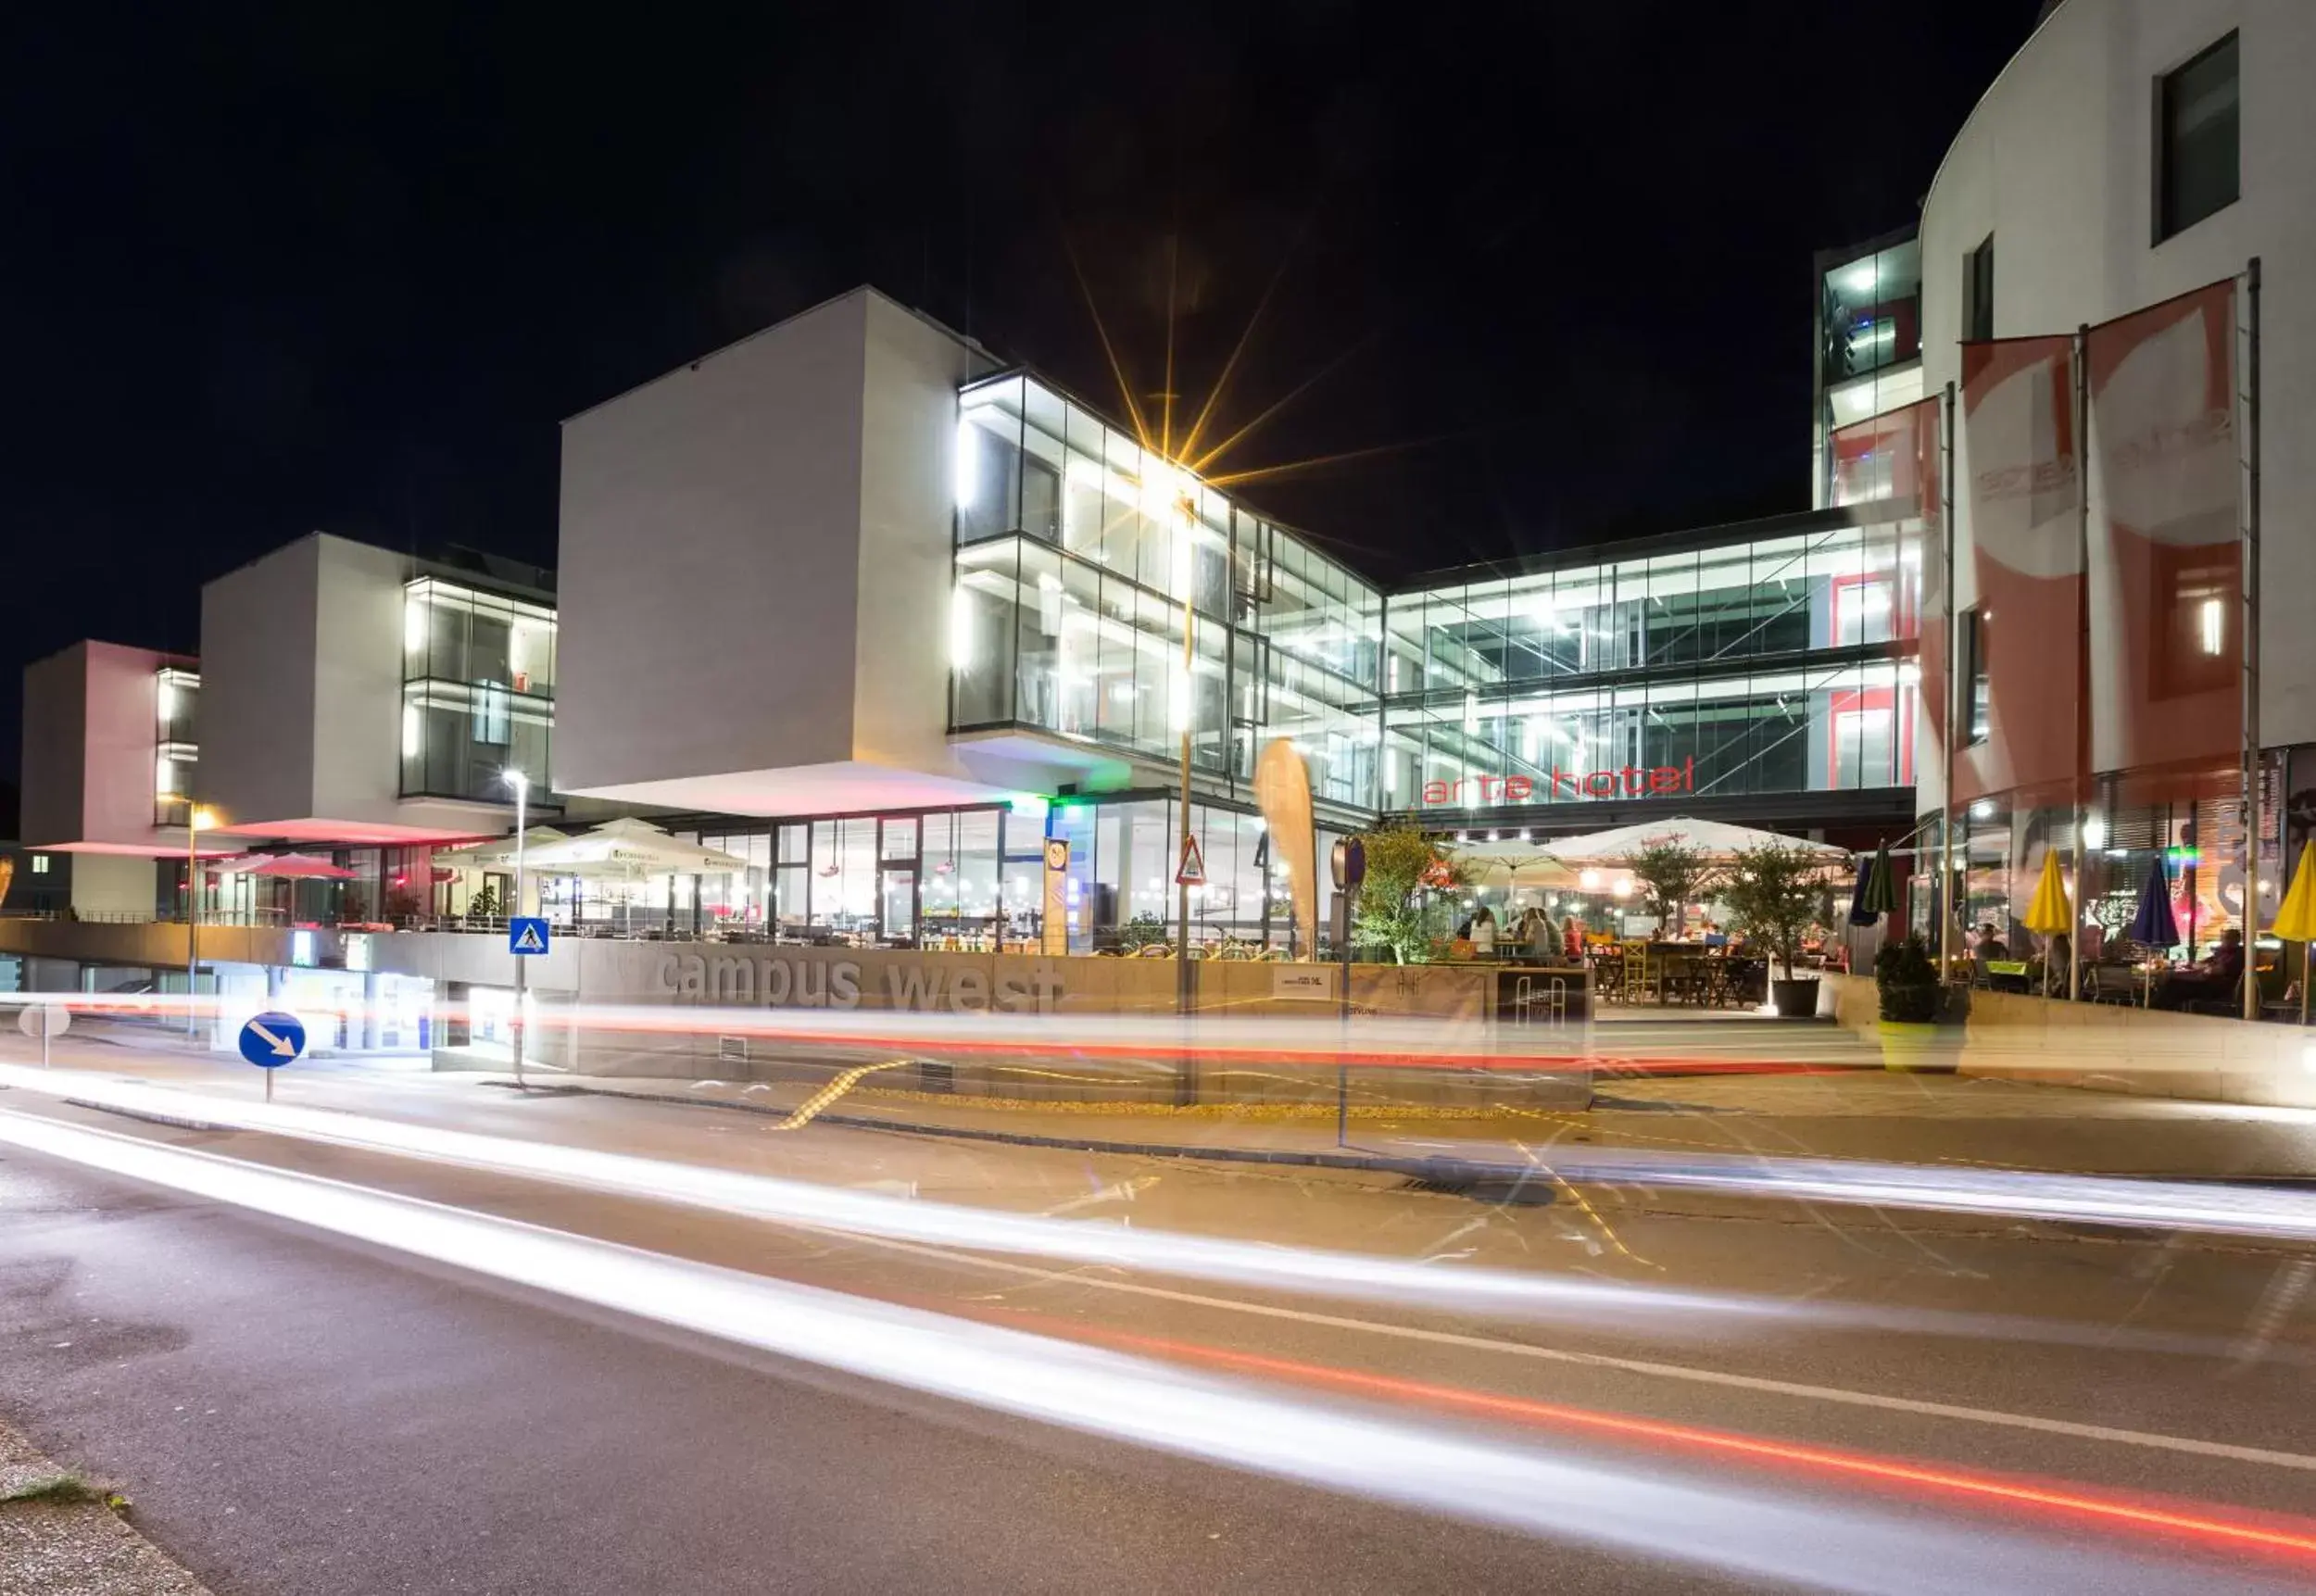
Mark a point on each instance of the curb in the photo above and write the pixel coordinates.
(1446, 1172)
(1529, 1182)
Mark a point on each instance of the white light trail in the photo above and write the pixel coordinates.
(1573, 1495)
(1657, 1311)
(817, 1207)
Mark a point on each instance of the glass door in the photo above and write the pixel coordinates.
(899, 903)
(897, 854)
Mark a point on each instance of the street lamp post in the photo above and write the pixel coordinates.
(197, 818)
(521, 784)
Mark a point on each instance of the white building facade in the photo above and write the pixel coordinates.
(2135, 151)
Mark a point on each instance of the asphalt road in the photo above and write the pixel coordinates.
(297, 1411)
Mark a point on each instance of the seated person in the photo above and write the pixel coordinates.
(1990, 944)
(2211, 979)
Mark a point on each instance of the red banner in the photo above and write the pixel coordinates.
(2022, 471)
(2166, 551)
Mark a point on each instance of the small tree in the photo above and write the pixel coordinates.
(1772, 892)
(484, 905)
(1403, 861)
(1670, 877)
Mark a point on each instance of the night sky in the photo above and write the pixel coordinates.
(272, 270)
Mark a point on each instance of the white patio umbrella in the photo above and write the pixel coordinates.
(1718, 840)
(630, 849)
(1510, 865)
(499, 854)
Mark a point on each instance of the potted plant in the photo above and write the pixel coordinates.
(1905, 981)
(1669, 877)
(1405, 864)
(1772, 893)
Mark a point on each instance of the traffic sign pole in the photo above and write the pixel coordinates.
(43, 1019)
(522, 966)
(270, 1040)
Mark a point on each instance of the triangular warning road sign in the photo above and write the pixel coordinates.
(1194, 871)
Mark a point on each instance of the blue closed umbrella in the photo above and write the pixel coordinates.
(2155, 926)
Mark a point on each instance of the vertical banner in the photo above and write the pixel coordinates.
(1282, 790)
(2167, 648)
(2023, 477)
(1054, 930)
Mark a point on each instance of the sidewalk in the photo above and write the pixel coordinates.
(57, 1537)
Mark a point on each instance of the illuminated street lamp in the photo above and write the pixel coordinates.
(197, 820)
(522, 786)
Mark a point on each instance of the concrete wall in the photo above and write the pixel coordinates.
(710, 554)
(2101, 1047)
(2056, 162)
(908, 495)
(91, 736)
(114, 884)
(257, 701)
(55, 729)
(301, 707)
(357, 668)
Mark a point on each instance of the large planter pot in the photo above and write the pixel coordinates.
(1913, 1046)
(1796, 999)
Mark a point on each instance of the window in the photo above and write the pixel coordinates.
(40, 864)
(1977, 290)
(2195, 648)
(1972, 649)
(2195, 152)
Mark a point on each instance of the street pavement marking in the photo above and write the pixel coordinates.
(811, 1108)
(1628, 1366)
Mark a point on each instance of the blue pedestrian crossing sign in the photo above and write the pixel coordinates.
(272, 1040)
(526, 935)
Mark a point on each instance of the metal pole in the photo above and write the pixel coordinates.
(193, 910)
(2083, 662)
(523, 964)
(2250, 587)
(1182, 888)
(1947, 907)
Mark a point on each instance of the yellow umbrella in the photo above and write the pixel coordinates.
(2050, 913)
(2296, 917)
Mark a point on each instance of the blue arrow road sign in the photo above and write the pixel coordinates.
(526, 935)
(272, 1040)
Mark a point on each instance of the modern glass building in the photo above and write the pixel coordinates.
(478, 688)
(1759, 669)
(1082, 557)
(1870, 354)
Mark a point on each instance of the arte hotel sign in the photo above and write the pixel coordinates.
(1631, 781)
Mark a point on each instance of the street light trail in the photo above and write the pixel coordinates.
(1755, 1530)
(972, 1229)
(2288, 1537)
(1657, 1311)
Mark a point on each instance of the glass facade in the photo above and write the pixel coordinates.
(1775, 664)
(176, 743)
(959, 878)
(1080, 559)
(478, 690)
(1869, 350)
